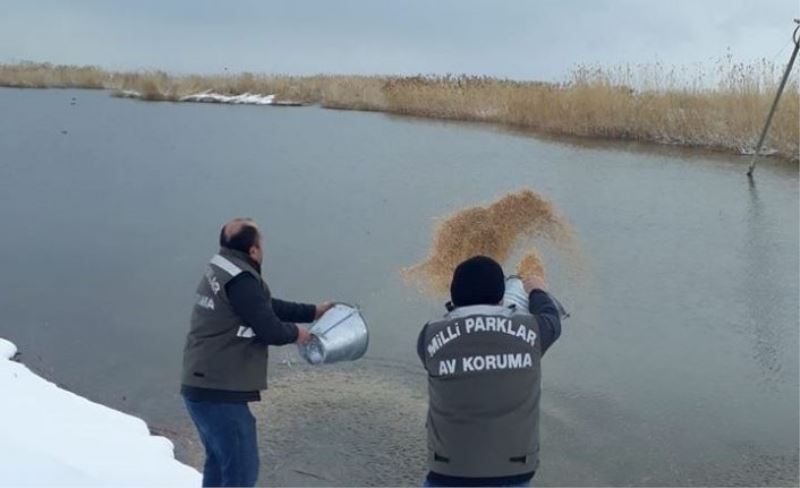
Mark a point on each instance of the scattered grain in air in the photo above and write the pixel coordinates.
(491, 231)
(531, 265)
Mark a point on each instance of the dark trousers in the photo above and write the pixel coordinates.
(434, 479)
(228, 433)
(430, 484)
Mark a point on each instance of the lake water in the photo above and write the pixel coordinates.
(679, 364)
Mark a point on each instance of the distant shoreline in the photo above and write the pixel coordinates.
(646, 103)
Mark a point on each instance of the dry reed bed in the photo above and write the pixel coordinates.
(644, 102)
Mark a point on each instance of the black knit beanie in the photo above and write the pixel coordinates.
(478, 280)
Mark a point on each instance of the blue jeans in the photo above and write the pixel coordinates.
(228, 433)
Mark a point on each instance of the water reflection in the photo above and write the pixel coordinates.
(145, 217)
(760, 269)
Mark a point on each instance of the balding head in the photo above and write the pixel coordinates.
(242, 234)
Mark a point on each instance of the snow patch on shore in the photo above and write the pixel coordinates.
(49, 436)
(243, 99)
(749, 151)
(7, 349)
(127, 94)
(210, 97)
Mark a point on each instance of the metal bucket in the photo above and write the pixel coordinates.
(515, 296)
(339, 335)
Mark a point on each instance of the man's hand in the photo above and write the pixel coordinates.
(303, 335)
(531, 283)
(322, 308)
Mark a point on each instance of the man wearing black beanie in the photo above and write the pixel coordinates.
(484, 379)
(478, 280)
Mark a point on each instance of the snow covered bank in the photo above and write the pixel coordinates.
(7, 349)
(211, 97)
(49, 436)
(243, 99)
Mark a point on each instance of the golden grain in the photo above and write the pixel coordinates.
(492, 231)
(531, 265)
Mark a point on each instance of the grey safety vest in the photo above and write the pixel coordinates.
(483, 387)
(221, 352)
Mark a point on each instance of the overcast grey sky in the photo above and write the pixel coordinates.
(534, 39)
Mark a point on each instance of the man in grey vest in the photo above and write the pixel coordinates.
(484, 380)
(234, 320)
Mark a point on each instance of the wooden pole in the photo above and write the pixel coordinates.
(775, 102)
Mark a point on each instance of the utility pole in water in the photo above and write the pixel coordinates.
(796, 40)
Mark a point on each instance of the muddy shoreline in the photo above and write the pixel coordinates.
(362, 424)
(337, 425)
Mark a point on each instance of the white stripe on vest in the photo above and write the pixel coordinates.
(245, 332)
(225, 265)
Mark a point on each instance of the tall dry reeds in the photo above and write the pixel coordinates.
(722, 108)
(46, 75)
(158, 85)
(355, 93)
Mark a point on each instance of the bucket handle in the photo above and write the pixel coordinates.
(340, 321)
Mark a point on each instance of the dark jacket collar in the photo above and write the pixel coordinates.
(241, 255)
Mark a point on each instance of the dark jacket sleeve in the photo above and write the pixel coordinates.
(544, 309)
(294, 312)
(254, 306)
